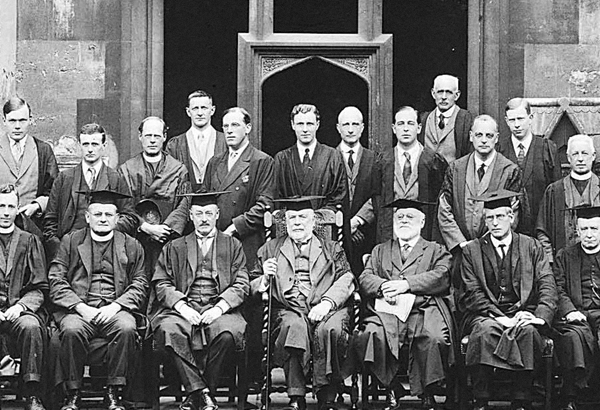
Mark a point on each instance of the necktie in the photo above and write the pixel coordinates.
(91, 177)
(407, 170)
(350, 159)
(404, 251)
(232, 159)
(204, 243)
(521, 155)
(306, 160)
(481, 172)
(502, 251)
(17, 151)
(442, 124)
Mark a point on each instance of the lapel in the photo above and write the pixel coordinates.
(352, 175)
(7, 264)
(6, 154)
(316, 260)
(102, 179)
(120, 254)
(575, 277)
(449, 126)
(470, 177)
(396, 256)
(415, 253)
(221, 261)
(485, 248)
(522, 283)
(286, 256)
(220, 170)
(77, 176)
(308, 176)
(536, 144)
(484, 184)
(489, 252)
(298, 177)
(29, 156)
(191, 244)
(85, 252)
(240, 166)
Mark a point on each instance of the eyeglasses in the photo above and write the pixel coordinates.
(200, 214)
(490, 218)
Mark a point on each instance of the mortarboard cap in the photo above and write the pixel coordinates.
(586, 211)
(205, 198)
(298, 203)
(496, 199)
(104, 197)
(402, 203)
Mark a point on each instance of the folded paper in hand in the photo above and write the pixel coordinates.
(402, 308)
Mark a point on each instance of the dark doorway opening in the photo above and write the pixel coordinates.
(328, 87)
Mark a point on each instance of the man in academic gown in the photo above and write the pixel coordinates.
(309, 167)
(446, 129)
(577, 273)
(69, 199)
(201, 142)
(97, 283)
(23, 286)
(534, 154)
(556, 220)
(411, 171)
(409, 268)
(312, 282)
(199, 284)
(363, 169)
(509, 298)
(155, 179)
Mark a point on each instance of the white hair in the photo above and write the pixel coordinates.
(445, 77)
(582, 138)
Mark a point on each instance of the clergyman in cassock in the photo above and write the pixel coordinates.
(312, 282)
(510, 297)
(556, 219)
(97, 282)
(23, 285)
(405, 284)
(199, 283)
(577, 273)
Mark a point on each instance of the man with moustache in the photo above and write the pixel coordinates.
(199, 284)
(415, 269)
(68, 201)
(410, 171)
(556, 221)
(535, 155)
(25, 161)
(97, 283)
(312, 282)
(363, 170)
(155, 179)
(309, 167)
(23, 286)
(446, 129)
(577, 322)
(201, 142)
(509, 299)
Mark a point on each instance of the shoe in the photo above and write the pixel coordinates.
(296, 403)
(480, 406)
(72, 401)
(209, 401)
(34, 403)
(391, 403)
(571, 405)
(112, 399)
(191, 402)
(428, 402)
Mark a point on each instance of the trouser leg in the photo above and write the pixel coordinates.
(294, 373)
(121, 333)
(75, 335)
(219, 349)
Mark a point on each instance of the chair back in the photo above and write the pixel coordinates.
(328, 224)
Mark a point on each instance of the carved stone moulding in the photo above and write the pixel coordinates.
(271, 64)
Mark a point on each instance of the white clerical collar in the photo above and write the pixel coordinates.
(580, 177)
(345, 147)
(487, 162)
(447, 114)
(153, 159)
(102, 238)
(239, 150)
(412, 243)
(591, 251)
(8, 230)
(506, 241)
(526, 141)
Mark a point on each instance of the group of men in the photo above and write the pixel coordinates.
(454, 231)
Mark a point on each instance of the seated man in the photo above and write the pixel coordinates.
(23, 284)
(509, 297)
(199, 283)
(577, 274)
(97, 282)
(312, 281)
(417, 271)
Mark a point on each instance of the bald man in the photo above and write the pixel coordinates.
(556, 228)
(363, 169)
(446, 129)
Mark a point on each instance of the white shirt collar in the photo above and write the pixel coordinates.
(525, 141)
(506, 241)
(410, 243)
(239, 150)
(96, 167)
(21, 142)
(102, 238)
(302, 149)
(208, 132)
(414, 151)
(447, 114)
(487, 162)
(345, 147)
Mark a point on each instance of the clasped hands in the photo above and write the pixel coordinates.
(159, 233)
(393, 288)
(575, 316)
(195, 318)
(12, 313)
(97, 316)
(521, 318)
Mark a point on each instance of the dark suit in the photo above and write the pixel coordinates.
(540, 168)
(178, 148)
(70, 280)
(462, 126)
(64, 200)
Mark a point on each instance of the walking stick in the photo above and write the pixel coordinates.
(267, 299)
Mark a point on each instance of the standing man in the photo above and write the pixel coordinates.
(577, 274)
(509, 298)
(535, 155)
(199, 283)
(26, 161)
(155, 179)
(410, 268)
(68, 201)
(312, 282)
(411, 171)
(309, 167)
(363, 169)
(23, 285)
(556, 221)
(97, 282)
(201, 142)
(446, 129)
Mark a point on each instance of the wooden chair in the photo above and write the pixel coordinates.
(329, 225)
